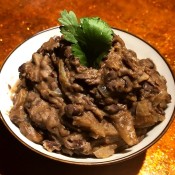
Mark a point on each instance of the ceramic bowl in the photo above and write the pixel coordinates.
(9, 75)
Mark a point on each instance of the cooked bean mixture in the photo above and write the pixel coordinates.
(82, 111)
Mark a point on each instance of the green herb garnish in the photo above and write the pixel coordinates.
(91, 38)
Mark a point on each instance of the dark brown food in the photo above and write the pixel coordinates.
(81, 111)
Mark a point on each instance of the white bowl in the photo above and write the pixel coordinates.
(9, 75)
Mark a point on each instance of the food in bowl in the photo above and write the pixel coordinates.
(80, 100)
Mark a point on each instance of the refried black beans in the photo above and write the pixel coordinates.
(86, 112)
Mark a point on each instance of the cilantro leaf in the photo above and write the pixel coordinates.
(70, 24)
(79, 53)
(91, 38)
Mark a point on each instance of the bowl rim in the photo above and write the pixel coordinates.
(130, 156)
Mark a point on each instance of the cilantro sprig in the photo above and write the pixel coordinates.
(90, 38)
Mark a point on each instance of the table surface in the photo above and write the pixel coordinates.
(151, 20)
